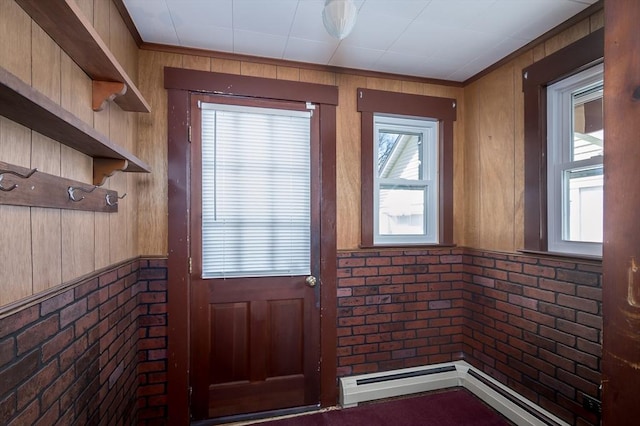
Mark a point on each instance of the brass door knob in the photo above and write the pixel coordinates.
(311, 281)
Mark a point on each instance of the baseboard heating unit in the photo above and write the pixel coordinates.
(368, 387)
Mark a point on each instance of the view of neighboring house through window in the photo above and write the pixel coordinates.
(575, 163)
(406, 181)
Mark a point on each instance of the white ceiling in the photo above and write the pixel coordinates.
(442, 39)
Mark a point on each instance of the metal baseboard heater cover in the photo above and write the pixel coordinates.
(368, 387)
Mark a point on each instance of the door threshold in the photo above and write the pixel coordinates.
(241, 418)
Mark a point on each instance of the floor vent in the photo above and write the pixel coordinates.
(368, 387)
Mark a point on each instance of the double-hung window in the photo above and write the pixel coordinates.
(406, 169)
(406, 180)
(563, 150)
(575, 163)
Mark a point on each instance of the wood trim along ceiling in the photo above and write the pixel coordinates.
(223, 55)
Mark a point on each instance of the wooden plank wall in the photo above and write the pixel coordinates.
(493, 147)
(488, 137)
(42, 248)
(153, 131)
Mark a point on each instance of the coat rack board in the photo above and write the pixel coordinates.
(20, 186)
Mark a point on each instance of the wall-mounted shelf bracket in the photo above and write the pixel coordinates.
(106, 167)
(25, 105)
(104, 91)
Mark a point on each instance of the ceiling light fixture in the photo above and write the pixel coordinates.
(339, 17)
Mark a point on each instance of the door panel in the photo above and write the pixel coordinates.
(254, 341)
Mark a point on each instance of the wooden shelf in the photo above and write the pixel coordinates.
(65, 23)
(25, 105)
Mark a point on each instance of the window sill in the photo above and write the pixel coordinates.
(406, 246)
(564, 256)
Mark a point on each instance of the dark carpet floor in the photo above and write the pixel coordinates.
(450, 408)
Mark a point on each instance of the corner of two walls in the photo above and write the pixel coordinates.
(91, 353)
(532, 323)
(493, 147)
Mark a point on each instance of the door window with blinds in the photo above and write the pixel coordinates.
(255, 191)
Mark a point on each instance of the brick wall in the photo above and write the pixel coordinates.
(152, 343)
(535, 324)
(73, 358)
(96, 352)
(399, 309)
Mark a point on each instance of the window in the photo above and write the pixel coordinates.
(562, 181)
(255, 191)
(575, 163)
(406, 169)
(406, 180)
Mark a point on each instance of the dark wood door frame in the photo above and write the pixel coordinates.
(179, 84)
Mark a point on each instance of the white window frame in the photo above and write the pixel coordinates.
(428, 130)
(559, 143)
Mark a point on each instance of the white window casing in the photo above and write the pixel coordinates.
(574, 167)
(405, 180)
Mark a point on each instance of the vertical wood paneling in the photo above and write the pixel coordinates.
(152, 135)
(45, 155)
(413, 87)
(46, 223)
(101, 121)
(15, 253)
(45, 241)
(459, 173)
(518, 179)
(384, 84)
(201, 63)
(258, 70)
(78, 236)
(471, 144)
(118, 224)
(567, 37)
(318, 77)
(348, 161)
(496, 139)
(44, 247)
(78, 227)
(227, 66)
(15, 33)
(494, 147)
(596, 21)
(288, 73)
(46, 57)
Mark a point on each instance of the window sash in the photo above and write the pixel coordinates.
(563, 202)
(398, 218)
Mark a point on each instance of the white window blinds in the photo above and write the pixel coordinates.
(255, 192)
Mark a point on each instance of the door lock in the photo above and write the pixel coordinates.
(311, 281)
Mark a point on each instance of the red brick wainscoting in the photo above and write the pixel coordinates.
(399, 309)
(94, 352)
(533, 323)
(77, 354)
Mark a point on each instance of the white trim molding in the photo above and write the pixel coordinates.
(368, 387)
